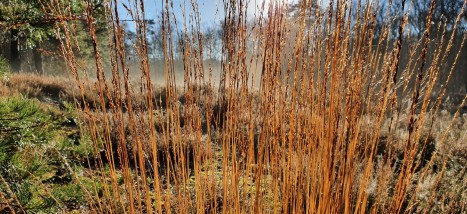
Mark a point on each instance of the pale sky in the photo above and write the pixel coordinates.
(210, 10)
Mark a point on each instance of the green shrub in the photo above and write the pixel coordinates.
(35, 148)
(4, 67)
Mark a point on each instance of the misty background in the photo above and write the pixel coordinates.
(29, 42)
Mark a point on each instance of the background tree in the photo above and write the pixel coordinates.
(445, 12)
(26, 26)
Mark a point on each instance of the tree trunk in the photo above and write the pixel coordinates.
(15, 62)
(37, 60)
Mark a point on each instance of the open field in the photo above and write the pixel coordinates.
(304, 109)
(439, 166)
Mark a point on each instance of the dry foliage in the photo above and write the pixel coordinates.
(336, 124)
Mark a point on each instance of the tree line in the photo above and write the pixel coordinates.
(28, 34)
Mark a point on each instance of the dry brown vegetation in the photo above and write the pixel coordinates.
(336, 125)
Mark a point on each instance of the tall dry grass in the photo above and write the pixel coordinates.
(337, 124)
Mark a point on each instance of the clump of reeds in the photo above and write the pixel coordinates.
(325, 131)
